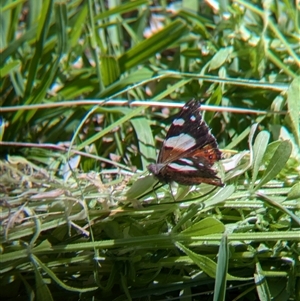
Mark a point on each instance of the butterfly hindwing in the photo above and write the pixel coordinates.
(189, 150)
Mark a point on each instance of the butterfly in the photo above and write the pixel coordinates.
(188, 151)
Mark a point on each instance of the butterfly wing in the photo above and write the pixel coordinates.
(189, 150)
(191, 169)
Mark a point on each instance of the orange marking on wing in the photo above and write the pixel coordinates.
(208, 152)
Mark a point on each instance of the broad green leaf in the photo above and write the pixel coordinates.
(259, 148)
(206, 226)
(277, 162)
(222, 270)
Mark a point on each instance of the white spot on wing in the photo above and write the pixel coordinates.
(193, 118)
(182, 167)
(184, 141)
(178, 121)
(187, 161)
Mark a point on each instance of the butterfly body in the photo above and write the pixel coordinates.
(189, 150)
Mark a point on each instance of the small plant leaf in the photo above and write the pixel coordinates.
(294, 192)
(277, 162)
(221, 196)
(220, 58)
(141, 186)
(259, 148)
(206, 226)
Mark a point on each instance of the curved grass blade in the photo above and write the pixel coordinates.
(37, 263)
(206, 264)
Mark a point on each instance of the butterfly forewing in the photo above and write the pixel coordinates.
(189, 150)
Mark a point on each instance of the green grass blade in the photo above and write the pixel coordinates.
(110, 71)
(42, 290)
(9, 68)
(261, 284)
(42, 30)
(121, 9)
(145, 140)
(50, 273)
(156, 43)
(127, 117)
(62, 24)
(222, 269)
